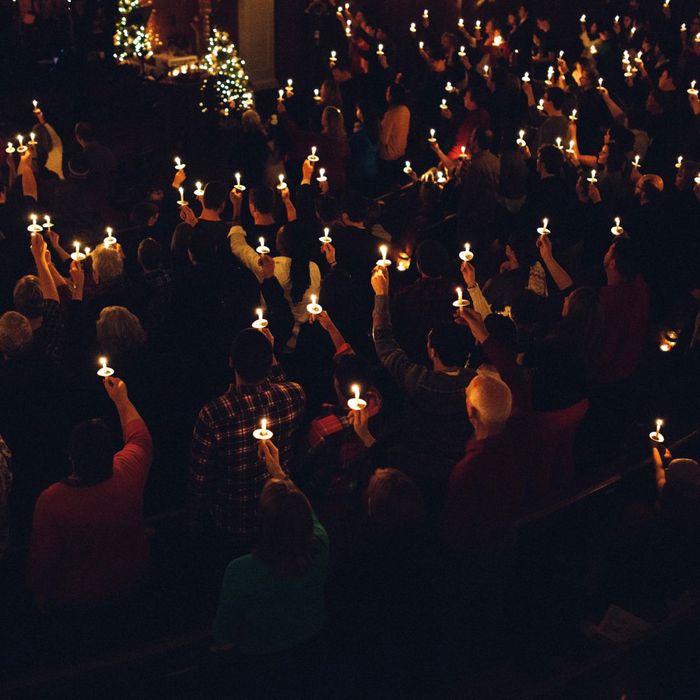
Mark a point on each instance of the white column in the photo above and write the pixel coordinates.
(256, 41)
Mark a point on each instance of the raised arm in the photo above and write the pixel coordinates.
(559, 274)
(46, 280)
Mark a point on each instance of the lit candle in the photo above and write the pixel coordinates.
(348, 28)
(526, 77)
(314, 308)
(592, 179)
(10, 148)
(179, 165)
(633, 30)
(550, 75)
(462, 51)
(312, 157)
(198, 191)
(540, 105)
(692, 90)
(421, 45)
(290, 87)
(317, 95)
(280, 95)
(617, 230)
(679, 162)
(462, 152)
(561, 54)
(262, 433)
(36, 109)
(77, 255)
(684, 29)
(466, 255)
(104, 371)
(384, 262)
(477, 25)
(460, 23)
(334, 57)
(594, 50)
(497, 40)
(356, 403)
(238, 186)
(543, 230)
(260, 322)
(571, 150)
(380, 50)
(443, 104)
(21, 148)
(326, 238)
(32, 139)
(460, 300)
(47, 222)
(282, 184)
(432, 138)
(558, 143)
(486, 70)
(425, 14)
(33, 228)
(617, 19)
(667, 4)
(412, 28)
(656, 436)
(110, 239)
(582, 19)
(448, 86)
(182, 202)
(322, 175)
(697, 179)
(636, 162)
(600, 80)
(404, 262)
(407, 168)
(262, 249)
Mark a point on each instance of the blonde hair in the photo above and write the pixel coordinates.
(491, 398)
(119, 331)
(15, 334)
(107, 263)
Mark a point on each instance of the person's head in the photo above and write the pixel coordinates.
(543, 24)
(350, 369)
(261, 201)
(527, 309)
(27, 297)
(107, 265)
(396, 94)
(448, 41)
(330, 93)
(366, 113)
(215, 196)
(686, 174)
(84, 133)
(394, 503)
(432, 259)
(353, 209)
(332, 123)
(550, 160)
(91, 450)
(251, 356)
(522, 12)
(144, 214)
(589, 76)
(621, 260)
(489, 404)
(449, 345)
(649, 188)
(15, 335)
(327, 210)
(78, 166)
(119, 332)
(473, 98)
(341, 71)
(502, 329)
(293, 242)
(656, 102)
(149, 254)
(482, 140)
(250, 121)
(554, 100)
(438, 60)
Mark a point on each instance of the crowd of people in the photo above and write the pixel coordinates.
(570, 168)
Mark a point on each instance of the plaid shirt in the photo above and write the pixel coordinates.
(226, 476)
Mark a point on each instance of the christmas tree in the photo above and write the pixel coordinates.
(226, 88)
(131, 41)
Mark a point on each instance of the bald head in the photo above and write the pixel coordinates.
(489, 404)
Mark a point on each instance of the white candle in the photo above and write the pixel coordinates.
(540, 105)
(408, 169)
(110, 238)
(326, 238)
(384, 262)
(322, 175)
(463, 152)
(33, 228)
(460, 23)
(460, 301)
(238, 186)
(462, 51)
(617, 230)
(356, 403)
(572, 147)
(312, 157)
(380, 50)
(47, 222)
(543, 230)
(421, 45)
(334, 56)
(21, 148)
(314, 308)
(10, 148)
(260, 322)
(679, 162)
(425, 14)
(448, 86)
(443, 104)
(466, 255)
(574, 115)
(32, 139)
(558, 143)
(692, 90)
(526, 77)
(262, 433)
(77, 255)
(198, 191)
(432, 138)
(412, 28)
(582, 19)
(486, 70)
(477, 25)
(262, 249)
(600, 80)
(280, 95)
(317, 95)
(592, 179)
(282, 184)
(179, 165)
(36, 109)
(104, 370)
(656, 435)
(181, 201)
(636, 161)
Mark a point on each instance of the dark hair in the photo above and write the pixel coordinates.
(85, 131)
(370, 119)
(502, 329)
(483, 138)
(215, 194)
(78, 165)
(355, 206)
(527, 308)
(452, 343)
(394, 502)
(556, 96)
(397, 94)
(437, 54)
(294, 241)
(350, 369)
(142, 213)
(626, 256)
(617, 158)
(286, 536)
(263, 199)
(150, 253)
(201, 246)
(327, 208)
(551, 158)
(584, 326)
(432, 259)
(27, 297)
(251, 355)
(91, 450)
(41, 156)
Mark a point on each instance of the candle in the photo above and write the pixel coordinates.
(592, 179)
(600, 80)
(571, 150)
(448, 86)
(348, 28)
(290, 87)
(322, 175)
(633, 31)
(684, 29)
(425, 14)
(314, 308)
(238, 186)
(679, 162)
(104, 371)
(317, 95)
(384, 262)
(462, 51)
(432, 138)
(497, 40)
(198, 191)
(356, 403)
(10, 148)
(404, 262)
(486, 70)
(636, 162)
(477, 25)
(460, 23)
(617, 19)
(179, 165)
(421, 45)
(697, 179)
(326, 238)
(543, 230)
(260, 322)
(540, 105)
(466, 255)
(21, 148)
(110, 239)
(280, 95)
(36, 109)
(463, 152)
(333, 58)
(182, 202)
(262, 249)
(526, 77)
(561, 54)
(47, 222)
(550, 75)
(282, 184)
(460, 300)
(617, 230)
(656, 436)
(312, 157)
(34, 228)
(558, 143)
(443, 104)
(380, 50)
(692, 90)
(408, 169)
(77, 255)
(412, 28)
(262, 433)
(582, 19)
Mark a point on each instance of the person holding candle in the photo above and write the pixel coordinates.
(226, 474)
(393, 134)
(364, 147)
(473, 117)
(103, 494)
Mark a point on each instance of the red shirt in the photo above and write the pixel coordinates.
(626, 322)
(90, 542)
(476, 119)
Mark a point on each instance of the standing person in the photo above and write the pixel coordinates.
(393, 134)
(226, 474)
(102, 165)
(88, 536)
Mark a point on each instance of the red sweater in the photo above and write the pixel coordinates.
(90, 542)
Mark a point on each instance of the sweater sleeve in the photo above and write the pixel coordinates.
(241, 249)
(408, 375)
(134, 459)
(479, 301)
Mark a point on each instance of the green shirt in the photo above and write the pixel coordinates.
(260, 613)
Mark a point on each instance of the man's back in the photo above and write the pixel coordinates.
(226, 475)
